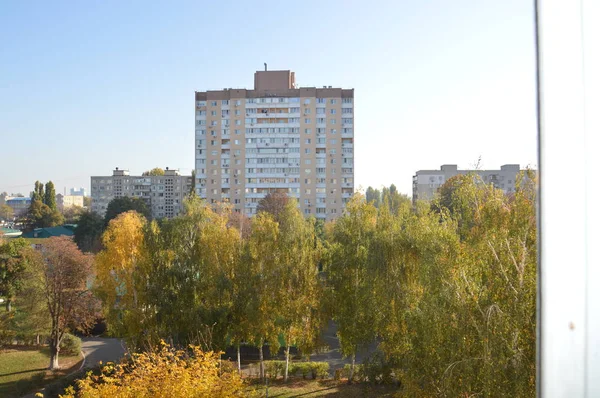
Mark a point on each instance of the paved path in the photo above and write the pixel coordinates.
(332, 355)
(98, 349)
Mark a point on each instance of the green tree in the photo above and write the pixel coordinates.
(89, 230)
(6, 212)
(38, 193)
(50, 196)
(373, 196)
(40, 215)
(264, 276)
(353, 294)
(13, 259)
(299, 308)
(157, 171)
(123, 204)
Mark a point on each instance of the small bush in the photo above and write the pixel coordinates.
(273, 369)
(70, 345)
(377, 369)
(319, 369)
(345, 372)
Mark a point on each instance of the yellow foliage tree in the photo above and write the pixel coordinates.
(166, 373)
(119, 274)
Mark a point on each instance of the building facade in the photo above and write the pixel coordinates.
(276, 138)
(426, 183)
(66, 201)
(163, 194)
(19, 205)
(77, 192)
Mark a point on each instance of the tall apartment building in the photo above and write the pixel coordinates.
(163, 194)
(276, 138)
(426, 183)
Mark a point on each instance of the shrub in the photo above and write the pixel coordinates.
(273, 369)
(165, 373)
(319, 369)
(377, 369)
(70, 345)
(345, 372)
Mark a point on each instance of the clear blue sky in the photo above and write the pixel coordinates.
(88, 86)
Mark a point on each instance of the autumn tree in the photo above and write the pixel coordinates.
(273, 203)
(264, 276)
(119, 282)
(123, 204)
(297, 281)
(164, 372)
(353, 294)
(65, 272)
(157, 171)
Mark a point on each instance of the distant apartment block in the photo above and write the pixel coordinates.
(19, 205)
(77, 192)
(276, 138)
(66, 201)
(426, 183)
(163, 194)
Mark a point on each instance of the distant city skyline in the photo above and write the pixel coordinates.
(111, 84)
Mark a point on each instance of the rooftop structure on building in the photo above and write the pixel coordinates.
(277, 137)
(77, 192)
(20, 205)
(426, 183)
(163, 194)
(49, 232)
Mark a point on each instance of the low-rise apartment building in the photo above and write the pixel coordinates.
(426, 183)
(66, 201)
(163, 194)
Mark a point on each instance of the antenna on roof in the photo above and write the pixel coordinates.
(265, 66)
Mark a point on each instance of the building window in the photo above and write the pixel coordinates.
(225, 102)
(332, 111)
(307, 101)
(332, 121)
(307, 131)
(333, 101)
(320, 100)
(213, 103)
(307, 120)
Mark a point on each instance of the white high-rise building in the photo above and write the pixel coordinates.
(276, 138)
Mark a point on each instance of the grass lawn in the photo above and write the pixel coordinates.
(321, 388)
(23, 370)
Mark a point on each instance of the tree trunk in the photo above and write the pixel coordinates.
(8, 305)
(239, 359)
(287, 363)
(262, 363)
(352, 369)
(37, 339)
(54, 350)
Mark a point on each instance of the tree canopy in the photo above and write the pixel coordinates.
(157, 171)
(123, 204)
